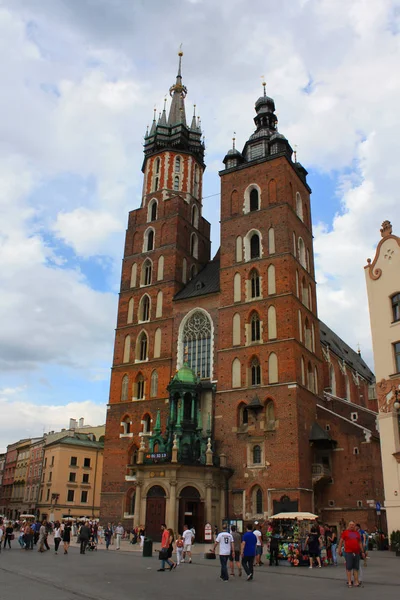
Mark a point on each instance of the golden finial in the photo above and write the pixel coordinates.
(180, 53)
(234, 140)
(264, 84)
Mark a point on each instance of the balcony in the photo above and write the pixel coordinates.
(130, 473)
(321, 473)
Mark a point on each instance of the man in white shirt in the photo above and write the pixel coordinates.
(187, 536)
(259, 546)
(226, 547)
(119, 532)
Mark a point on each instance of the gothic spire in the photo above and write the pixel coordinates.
(178, 93)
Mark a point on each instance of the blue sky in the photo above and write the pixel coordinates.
(78, 88)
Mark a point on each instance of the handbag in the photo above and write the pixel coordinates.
(163, 554)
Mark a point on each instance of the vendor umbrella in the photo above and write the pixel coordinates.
(301, 516)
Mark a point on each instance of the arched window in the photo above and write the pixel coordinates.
(239, 249)
(195, 216)
(307, 335)
(259, 502)
(315, 380)
(302, 253)
(396, 307)
(149, 240)
(130, 311)
(294, 244)
(300, 326)
(152, 210)
(255, 370)
(147, 268)
(157, 343)
(124, 388)
(255, 288)
(254, 200)
(255, 327)
(348, 389)
(177, 164)
(271, 280)
(256, 455)
(237, 295)
(236, 373)
(126, 425)
(236, 330)
(154, 384)
(194, 245)
(310, 379)
(176, 183)
(196, 182)
(133, 275)
(196, 337)
(243, 415)
(255, 246)
(160, 268)
(271, 240)
(304, 293)
(127, 349)
(193, 271)
(269, 416)
(303, 371)
(312, 337)
(144, 308)
(272, 334)
(299, 206)
(146, 424)
(139, 383)
(297, 285)
(273, 368)
(159, 305)
(332, 379)
(142, 346)
(155, 185)
(157, 165)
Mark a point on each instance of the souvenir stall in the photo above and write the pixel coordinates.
(291, 530)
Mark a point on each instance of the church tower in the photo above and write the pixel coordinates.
(269, 355)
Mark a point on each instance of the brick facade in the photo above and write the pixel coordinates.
(283, 427)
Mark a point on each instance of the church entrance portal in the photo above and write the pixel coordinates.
(191, 512)
(155, 512)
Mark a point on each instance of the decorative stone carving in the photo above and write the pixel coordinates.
(386, 229)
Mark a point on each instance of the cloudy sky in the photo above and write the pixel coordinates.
(79, 81)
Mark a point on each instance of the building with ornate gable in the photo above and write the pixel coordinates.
(228, 397)
(383, 287)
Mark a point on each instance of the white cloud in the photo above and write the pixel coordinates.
(21, 419)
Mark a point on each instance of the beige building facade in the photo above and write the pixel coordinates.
(71, 478)
(383, 288)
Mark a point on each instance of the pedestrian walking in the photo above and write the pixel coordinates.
(28, 536)
(179, 549)
(249, 544)
(259, 547)
(9, 535)
(119, 532)
(187, 543)
(43, 537)
(57, 536)
(166, 541)
(235, 557)
(274, 548)
(84, 535)
(67, 536)
(226, 547)
(363, 536)
(353, 549)
(313, 542)
(334, 547)
(108, 533)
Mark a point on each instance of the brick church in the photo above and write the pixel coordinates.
(229, 398)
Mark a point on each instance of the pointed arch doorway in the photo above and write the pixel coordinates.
(191, 511)
(155, 512)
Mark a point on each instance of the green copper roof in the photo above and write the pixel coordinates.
(185, 375)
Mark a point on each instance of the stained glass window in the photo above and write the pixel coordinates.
(196, 340)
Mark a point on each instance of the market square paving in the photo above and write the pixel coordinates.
(127, 575)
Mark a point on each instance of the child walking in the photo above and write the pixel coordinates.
(179, 549)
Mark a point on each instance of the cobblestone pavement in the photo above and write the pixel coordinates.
(125, 574)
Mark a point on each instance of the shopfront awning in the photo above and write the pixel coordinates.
(301, 516)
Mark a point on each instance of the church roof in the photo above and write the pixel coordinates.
(206, 282)
(343, 351)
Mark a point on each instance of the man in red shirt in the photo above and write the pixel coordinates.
(353, 549)
(166, 549)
